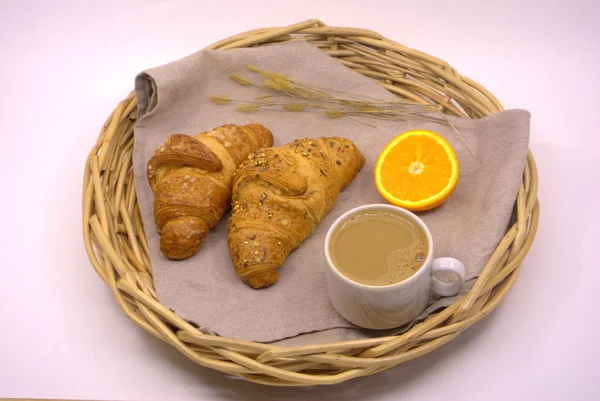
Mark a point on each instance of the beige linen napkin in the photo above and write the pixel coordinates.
(205, 289)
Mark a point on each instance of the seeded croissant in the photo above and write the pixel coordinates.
(279, 197)
(191, 178)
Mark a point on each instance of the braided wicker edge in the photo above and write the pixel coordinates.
(118, 251)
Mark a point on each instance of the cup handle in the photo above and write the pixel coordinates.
(447, 265)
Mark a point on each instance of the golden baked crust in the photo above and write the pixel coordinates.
(279, 196)
(191, 178)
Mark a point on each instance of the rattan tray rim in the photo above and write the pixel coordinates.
(116, 245)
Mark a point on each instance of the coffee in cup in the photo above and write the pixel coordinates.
(378, 247)
(381, 266)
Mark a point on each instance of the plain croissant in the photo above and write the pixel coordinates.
(191, 178)
(279, 197)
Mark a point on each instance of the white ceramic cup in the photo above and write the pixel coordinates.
(387, 306)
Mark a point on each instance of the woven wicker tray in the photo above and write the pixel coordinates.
(117, 248)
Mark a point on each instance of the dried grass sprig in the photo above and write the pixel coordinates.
(333, 102)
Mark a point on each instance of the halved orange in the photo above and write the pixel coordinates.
(418, 170)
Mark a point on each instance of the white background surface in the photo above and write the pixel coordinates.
(63, 69)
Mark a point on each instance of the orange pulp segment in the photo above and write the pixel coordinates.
(418, 170)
